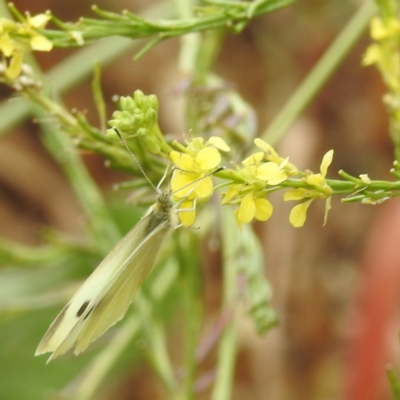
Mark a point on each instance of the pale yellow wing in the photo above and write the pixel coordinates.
(105, 296)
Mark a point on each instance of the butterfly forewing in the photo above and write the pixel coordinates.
(120, 291)
(105, 296)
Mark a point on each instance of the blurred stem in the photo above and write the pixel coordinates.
(321, 72)
(227, 346)
(187, 244)
(101, 225)
(188, 258)
(91, 378)
(99, 221)
(394, 383)
(18, 254)
(189, 43)
(157, 353)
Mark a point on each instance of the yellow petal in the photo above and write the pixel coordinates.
(230, 194)
(219, 143)
(263, 209)
(7, 46)
(315, 180)
(41, 43)
(247, 209)
(239, 223)
(187, 217)
(182, 184)
(326, 162)
(379, 29)
(327, 208)
(254, 159)
(271, 173)
(182, 160)
(294, 194)
(15, 67)
(372, 55)
(39, 21)
(298, 214)
(267, 171)
(208, 159)
(204, 188)
(279, 178)
(265, 147)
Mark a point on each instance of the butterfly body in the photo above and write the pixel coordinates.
(105, 296)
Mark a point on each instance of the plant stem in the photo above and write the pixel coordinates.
(190, 266)
(227, 348)
(324, 68)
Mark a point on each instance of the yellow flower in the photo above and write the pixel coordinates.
(260, 170)
(384, 29)
(186, 181)
(319, 189)
(318, 180)
(259, 208)
(384, 53)
(18, 38)
(191, 178)
(373, 55)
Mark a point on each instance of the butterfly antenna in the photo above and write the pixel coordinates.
(136, 160)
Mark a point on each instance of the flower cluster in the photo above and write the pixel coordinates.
(191, 180)
(138, 117)
(196, 161)
(258, 172)
(264, 172)
(385, 55)
(18, 38)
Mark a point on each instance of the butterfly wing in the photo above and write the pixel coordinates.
(119, 274)
(120, 291)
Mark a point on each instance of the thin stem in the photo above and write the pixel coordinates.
(193, 307)
(157, 352)
(228, 345)
(315, 80)
(74, 69)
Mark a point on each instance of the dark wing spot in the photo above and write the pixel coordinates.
(90, 311)
(82, 309)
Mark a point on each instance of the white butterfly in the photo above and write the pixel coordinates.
(105, 296)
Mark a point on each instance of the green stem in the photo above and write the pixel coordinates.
(92, 377)
(315, 80)
(394, 382)
(74, 69)
(187, 246)
(228, 345)
(231, 15)
(158, 353)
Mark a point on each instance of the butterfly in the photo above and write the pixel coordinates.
(105, 296)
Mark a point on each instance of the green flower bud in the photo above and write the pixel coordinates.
(138, 97)
(142, 132)
(127, 104)
(153, 102)
(111, 134)
(150, 118)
